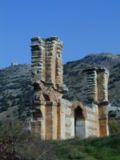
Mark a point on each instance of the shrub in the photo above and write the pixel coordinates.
(17, 142)
(114, 126)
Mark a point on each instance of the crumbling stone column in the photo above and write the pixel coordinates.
(47, 60)
(97, 82)
(47, 79)
(102, 83)
(50, 60)
(59, 66)
(105, 84)
(38, 58)
(92, 84)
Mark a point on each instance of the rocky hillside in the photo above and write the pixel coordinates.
(76, 79)
(16, 91)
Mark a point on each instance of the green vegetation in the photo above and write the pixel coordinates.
(106, 148)
(114, 126)
(14, 138)
(16, 143)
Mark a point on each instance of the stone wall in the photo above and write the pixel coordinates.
(92, 122)
(67, 119)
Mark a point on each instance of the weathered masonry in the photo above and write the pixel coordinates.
(57, 118)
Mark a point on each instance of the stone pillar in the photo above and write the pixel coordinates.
(59, 65)
(92, 84)
(102, 83)
(105, 85)
(103, 120)
(55, 122)
(54, 70)
(47, 79)
(51, 48)
(48, 121)
(43, 122)
(38, 58)
(58, 122)
(51, 121)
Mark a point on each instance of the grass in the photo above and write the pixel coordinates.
(106, 148)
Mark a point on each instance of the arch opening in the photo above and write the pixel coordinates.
(79, 123)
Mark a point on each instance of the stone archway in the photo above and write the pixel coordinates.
(79, 123)
(79, 120)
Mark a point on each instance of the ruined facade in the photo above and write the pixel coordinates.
(55, 117)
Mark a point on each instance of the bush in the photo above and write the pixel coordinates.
(114, 126)
(17, 142)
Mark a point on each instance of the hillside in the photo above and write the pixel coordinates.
(16, 90)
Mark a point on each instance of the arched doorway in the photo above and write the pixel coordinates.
(79, 123)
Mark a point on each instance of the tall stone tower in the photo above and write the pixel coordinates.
(47, 79)
(97, 80)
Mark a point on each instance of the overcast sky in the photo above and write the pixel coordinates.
(85, 27)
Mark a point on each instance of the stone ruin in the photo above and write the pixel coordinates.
(14, 64)
(55, 117)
